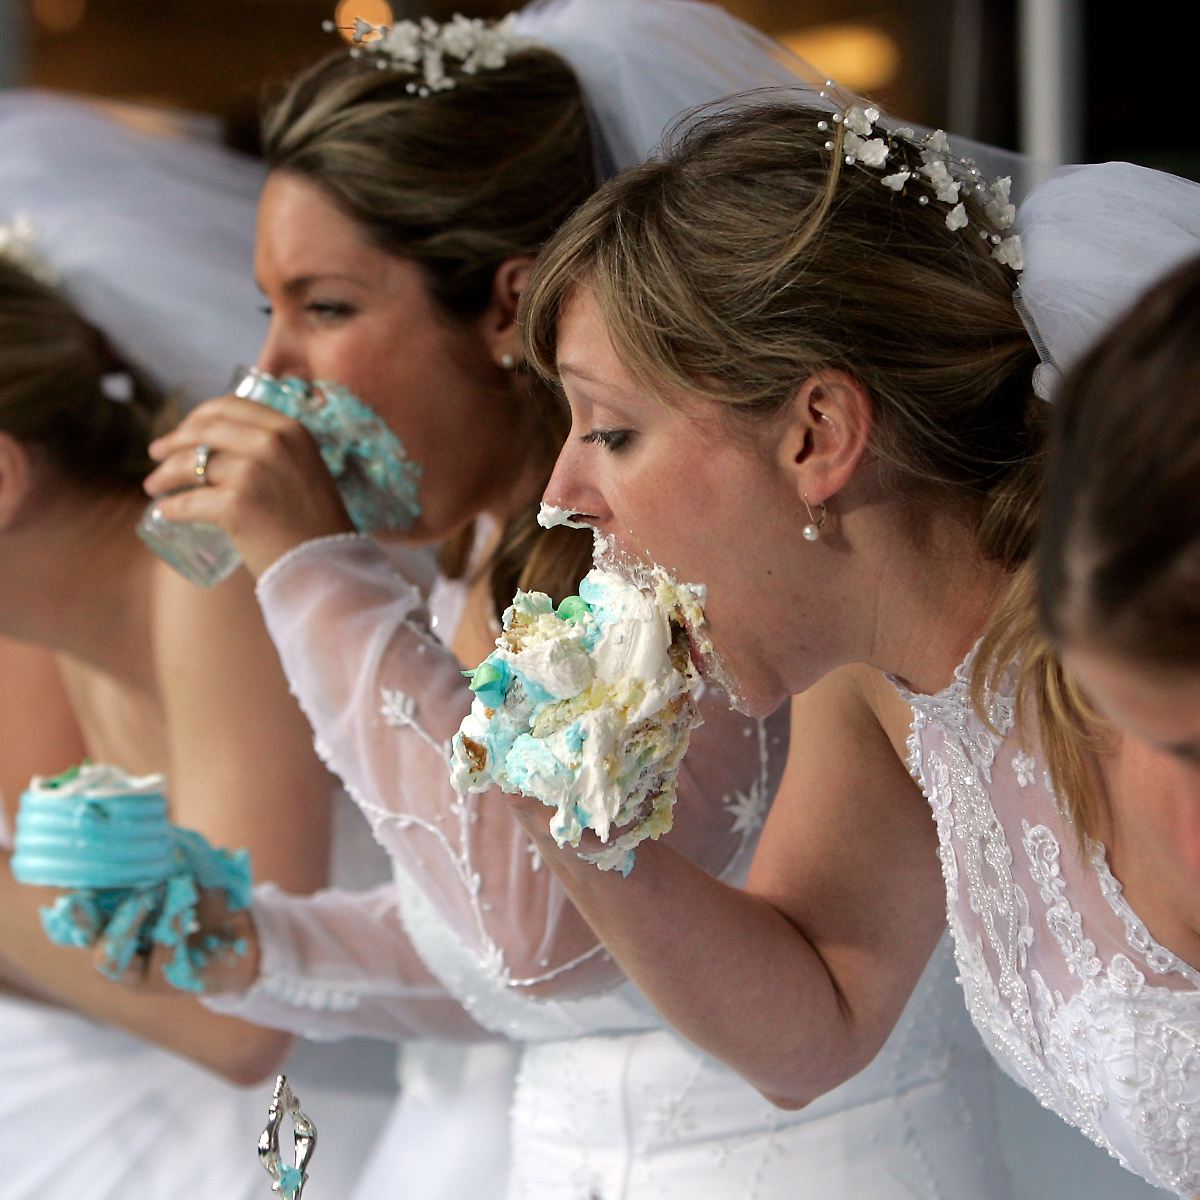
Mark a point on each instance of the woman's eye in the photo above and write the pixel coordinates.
(329, 310)
(610, 439)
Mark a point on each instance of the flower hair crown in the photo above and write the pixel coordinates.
(941, 176)
(18, 239)
(421, 48)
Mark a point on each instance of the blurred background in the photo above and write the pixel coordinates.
(1061, 79)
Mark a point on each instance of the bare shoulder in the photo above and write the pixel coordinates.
(846, 793)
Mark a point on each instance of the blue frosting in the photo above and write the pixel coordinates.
(377, 481)
(130, 921)
(490, 680)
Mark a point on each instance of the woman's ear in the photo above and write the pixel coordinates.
(825, 435)
(16, 479)
(499, 322)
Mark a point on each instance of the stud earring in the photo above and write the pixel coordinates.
(507, 362)
(812, 530)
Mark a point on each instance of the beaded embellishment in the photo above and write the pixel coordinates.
(421, 48)
(941, 177)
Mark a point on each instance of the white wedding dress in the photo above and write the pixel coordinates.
(1067, 986)
(578, 1091)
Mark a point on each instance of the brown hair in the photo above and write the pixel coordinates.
(457, 181)
(744, 262)
(1119, 553)
(52, 368)
(751, 257)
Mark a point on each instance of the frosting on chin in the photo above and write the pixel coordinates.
(586, 707)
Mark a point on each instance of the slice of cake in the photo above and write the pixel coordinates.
(93, 826)
(131, 877)
(588, 707)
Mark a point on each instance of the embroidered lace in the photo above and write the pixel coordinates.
(1068, 988)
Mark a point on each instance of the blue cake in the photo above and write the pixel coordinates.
(93, 826)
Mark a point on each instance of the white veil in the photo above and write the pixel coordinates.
(1094, 238)
(644, 64)
(150, 234)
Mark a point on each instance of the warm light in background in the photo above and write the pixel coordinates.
(859, 56)
(377, 12)
(59, 16)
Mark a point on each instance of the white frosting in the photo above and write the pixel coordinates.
(586, 711)
(550, 515)
(98, 781)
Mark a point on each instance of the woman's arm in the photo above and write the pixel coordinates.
(385, 696)
(242, 1053)
(797, 981)
(340, 964)
(38, 732)
(242, 768)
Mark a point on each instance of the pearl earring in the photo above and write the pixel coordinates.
(812, 530)
(507, 362)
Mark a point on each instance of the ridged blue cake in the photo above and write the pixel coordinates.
(93, 826)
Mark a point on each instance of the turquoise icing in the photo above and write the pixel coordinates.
(490, 680)
(92, 842)
(574, 737)
(74, 919)
(123, 934)
(532, 764)
(130, 921)
(377, 481)
(535, 694)
(291, 1179)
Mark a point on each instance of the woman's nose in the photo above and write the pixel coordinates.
(280, 356)
(571, 489)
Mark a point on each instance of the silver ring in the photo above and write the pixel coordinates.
(200, 465)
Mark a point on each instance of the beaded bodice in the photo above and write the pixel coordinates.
(1070, 991)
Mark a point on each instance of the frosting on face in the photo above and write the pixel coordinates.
(588, 708)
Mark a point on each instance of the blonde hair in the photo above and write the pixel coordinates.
(750, 258)
(53, 364)
(457, 181)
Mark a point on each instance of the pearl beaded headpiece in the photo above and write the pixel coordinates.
(941, 177)
(421, 48)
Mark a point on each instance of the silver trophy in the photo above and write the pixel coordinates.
(288, 1181)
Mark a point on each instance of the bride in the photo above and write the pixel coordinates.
(807, 318)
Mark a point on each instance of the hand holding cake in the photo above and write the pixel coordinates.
(588, 707)
(136, 880)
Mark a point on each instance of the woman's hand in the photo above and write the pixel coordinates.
(265, 483)
(232, 966)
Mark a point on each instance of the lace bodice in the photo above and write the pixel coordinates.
(1068, 988)
(475, 936)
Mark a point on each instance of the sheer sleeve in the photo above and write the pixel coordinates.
(384, 696)
(340, 964)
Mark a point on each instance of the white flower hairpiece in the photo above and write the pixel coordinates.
(420, 48)
(941, 175)
(18, 239)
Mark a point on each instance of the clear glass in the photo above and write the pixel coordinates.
(204, 554)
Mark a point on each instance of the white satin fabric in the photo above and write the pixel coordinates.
(581, 1092)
